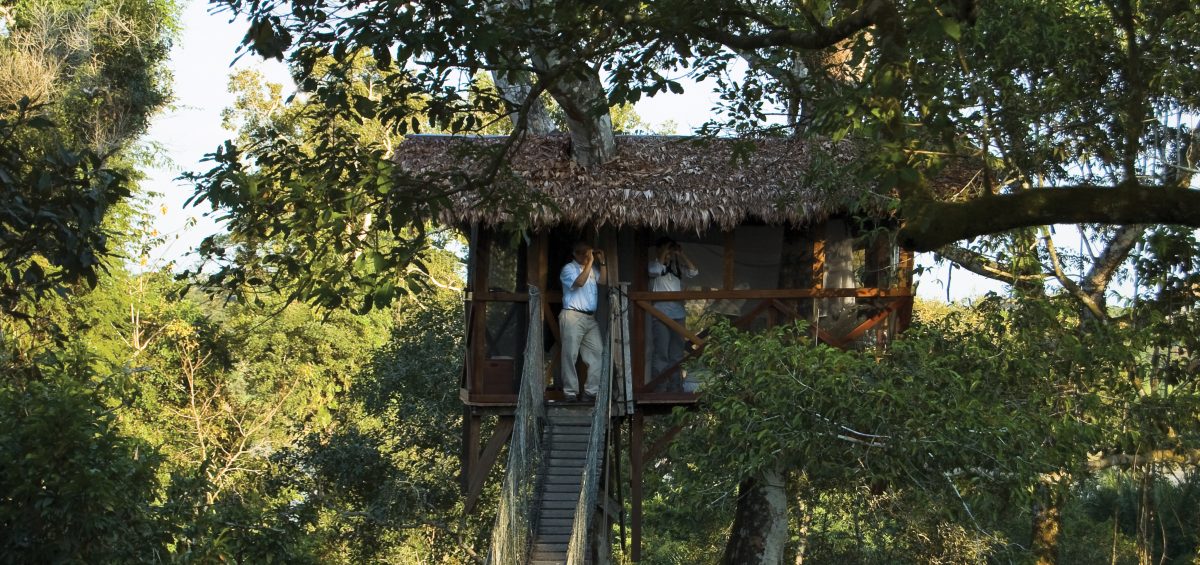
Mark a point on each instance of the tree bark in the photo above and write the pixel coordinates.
(839, 273)
(515, 89)
(580, 93)
(930, 224)
(1047, 524)
(760, 524)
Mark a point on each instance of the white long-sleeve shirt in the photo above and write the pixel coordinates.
(662, 280)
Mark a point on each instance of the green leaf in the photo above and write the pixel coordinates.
(952, 28)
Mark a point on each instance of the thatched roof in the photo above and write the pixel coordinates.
(656, 182)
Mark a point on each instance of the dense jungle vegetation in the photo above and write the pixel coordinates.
(292, 398)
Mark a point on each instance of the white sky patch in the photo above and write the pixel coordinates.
(201, 64)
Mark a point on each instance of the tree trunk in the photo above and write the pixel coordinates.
(839, 273)
(577, 88)
(803, 525)
(760, 524)
(1047, 524)
(515, 88)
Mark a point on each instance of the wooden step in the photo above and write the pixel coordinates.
(572, 433)
(581, 418)
(552, 522)
(552, 504)
(568, 456)
(566, 462)
(558, 513)
(553, 535)
(567, 441)
(551, 547)
(561, 487)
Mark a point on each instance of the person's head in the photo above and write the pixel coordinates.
(581, 251)
(668, 244)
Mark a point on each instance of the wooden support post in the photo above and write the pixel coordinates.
(637, 317)
(635, 484)
(728, 282)
(536, 267)
(818, 265)
(476, 336)
(904, 279)
(469, 455)
(485, 460)
(818, 277)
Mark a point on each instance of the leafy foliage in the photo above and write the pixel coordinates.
(920, 454)
(72, 485)
(78, 84)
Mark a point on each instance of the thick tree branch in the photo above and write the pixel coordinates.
(1131, 460)
(1072, 288)
(1118, 248)
(516, 90)
(821, 38)
(930, 224)
(983, 266)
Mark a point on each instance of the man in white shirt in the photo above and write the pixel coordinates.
(667, 266)
(577, 323)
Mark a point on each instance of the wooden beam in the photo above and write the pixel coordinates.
(637, 333)
(476, 346)
(818, 265)
(785, 308)
(487, 399)
(904, 276)
(468, 456)
(636, 465)
(487, 459)
(904, 269)
(828, 338)
(728, 282)
(761, 294)
(675, 326)
(871, 322)
(476, 338)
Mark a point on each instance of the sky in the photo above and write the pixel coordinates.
(202, 60)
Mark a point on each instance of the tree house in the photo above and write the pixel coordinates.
(766, 223)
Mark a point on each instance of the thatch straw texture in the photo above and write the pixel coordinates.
(655, 182)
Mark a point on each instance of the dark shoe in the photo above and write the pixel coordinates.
(587, 398)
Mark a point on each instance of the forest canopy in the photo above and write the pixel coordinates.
(289, 399)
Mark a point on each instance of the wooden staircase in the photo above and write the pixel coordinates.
(565, 449)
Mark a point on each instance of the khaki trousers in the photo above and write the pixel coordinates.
(580, 338)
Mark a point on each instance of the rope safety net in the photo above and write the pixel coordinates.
(518, 495)
(589, 491)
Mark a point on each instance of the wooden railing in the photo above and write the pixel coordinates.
(882, 311)
(879, 312)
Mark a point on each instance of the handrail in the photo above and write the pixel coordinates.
(589, 485)
(759, 294)
(511, 537)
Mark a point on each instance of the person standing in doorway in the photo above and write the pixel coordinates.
(668, 266)
(577, 322)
